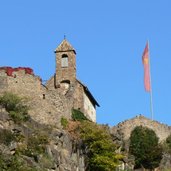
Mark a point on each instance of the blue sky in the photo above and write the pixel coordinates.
(109, 37)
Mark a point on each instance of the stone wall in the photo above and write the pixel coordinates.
(78, 96)
(125, 128)
(89, 109)
(75, 97)
(3, 82)
(46, 106)
(22, 83)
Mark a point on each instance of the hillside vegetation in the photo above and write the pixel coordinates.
(28, 146)
(77, 144)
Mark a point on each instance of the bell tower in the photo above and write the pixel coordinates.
(65, 64)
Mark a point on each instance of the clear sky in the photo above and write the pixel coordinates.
(109, 37)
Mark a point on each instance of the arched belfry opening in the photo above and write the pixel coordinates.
(64, 61)
(65, 86)
(65, 81)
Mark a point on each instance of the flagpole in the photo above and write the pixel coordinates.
(151, 91)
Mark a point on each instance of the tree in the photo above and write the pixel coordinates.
(166, 145)
(101, 151)
(145, 148)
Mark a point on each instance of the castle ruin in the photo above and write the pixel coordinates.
(62, 92)
(49, 102)
(126, 127)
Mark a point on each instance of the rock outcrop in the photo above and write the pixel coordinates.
(39, 146)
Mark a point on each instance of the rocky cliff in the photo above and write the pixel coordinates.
(33, 146)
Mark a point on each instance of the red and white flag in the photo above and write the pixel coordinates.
(145, 59)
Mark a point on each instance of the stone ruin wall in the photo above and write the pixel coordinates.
(74, 94)
(46, 106)
(21, 83)
(76, 98)
(67, 98)
(125, 128)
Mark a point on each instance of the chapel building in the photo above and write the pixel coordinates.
(66, 83)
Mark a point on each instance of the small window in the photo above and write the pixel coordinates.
(43, 96)
(64, 62)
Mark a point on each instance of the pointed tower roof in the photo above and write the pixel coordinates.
(65, 46)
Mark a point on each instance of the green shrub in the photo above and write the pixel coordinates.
(6, 136)
(46, 162)
(166, 145)
(168, 141)
(9, 101)
(14, 163)
(145, 148)
(36, 145)
(15, 107)
(64, 122)
(77, 115)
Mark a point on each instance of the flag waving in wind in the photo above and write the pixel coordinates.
(145, 59)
